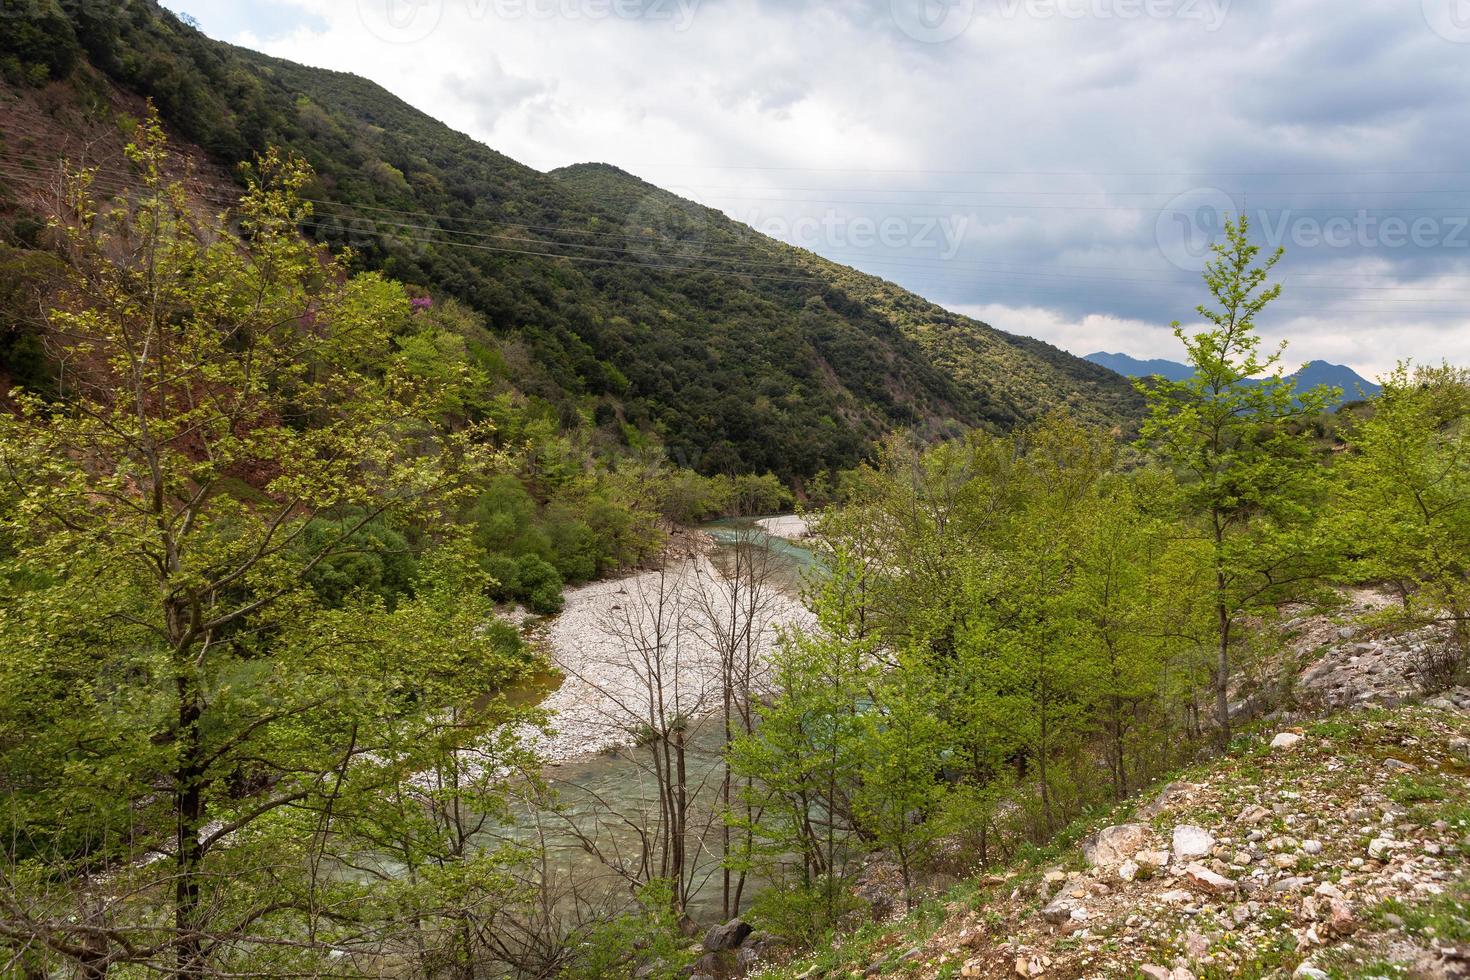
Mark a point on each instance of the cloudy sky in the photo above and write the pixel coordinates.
(1055, 167)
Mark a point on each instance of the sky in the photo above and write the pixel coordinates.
(1056, 168)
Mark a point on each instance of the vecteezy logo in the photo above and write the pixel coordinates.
(1189, 224)
(400, 21)
(1450, 19)
(933, 21)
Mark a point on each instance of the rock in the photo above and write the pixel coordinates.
(1128, 870)
(1312, 846)
(1058, 911)
(728, 936)
(1379, 848)
(1155, 972)
(1253, 814)
(1306, 971)
(1168, 796)
(1290, 885)
(1113, 845)
(1285, 861)
(1208, 881)
(1154, 860)
(1285, 740)
(1176, 897)
(1191, 842)
(1340, 918)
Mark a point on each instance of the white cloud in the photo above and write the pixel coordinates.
(1057, 129)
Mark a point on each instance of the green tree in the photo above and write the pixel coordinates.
(1405, 491)
(173, 687)
(1249, 472)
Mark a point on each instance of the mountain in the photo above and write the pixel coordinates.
(1354, 386)
(607, 299)
(1132, 367)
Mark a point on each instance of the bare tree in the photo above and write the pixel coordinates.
(737, 611)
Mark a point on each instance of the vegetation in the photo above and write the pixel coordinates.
(652, 320)
(260, 499)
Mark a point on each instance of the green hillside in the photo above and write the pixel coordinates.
(623, 306)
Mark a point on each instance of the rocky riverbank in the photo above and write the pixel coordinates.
(631, 647)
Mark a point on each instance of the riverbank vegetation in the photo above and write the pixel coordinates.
(258, 716)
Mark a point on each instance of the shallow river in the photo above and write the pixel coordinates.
(608, 794)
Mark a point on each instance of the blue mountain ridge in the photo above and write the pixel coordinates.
(1354, 386)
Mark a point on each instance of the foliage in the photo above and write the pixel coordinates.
(651, 318)
(1404, 502)
(243, 684)
(1248, 474)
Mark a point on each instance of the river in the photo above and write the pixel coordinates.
(607, 794)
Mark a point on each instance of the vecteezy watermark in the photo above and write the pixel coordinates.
(1450, 19)
(1195, 220)
(835, 231)
(933, 21)
(411, 21)
(938, 21)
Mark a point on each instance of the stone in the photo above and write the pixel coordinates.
(1128, 870)
(728, 936)
(1379, 848)
(1168, 796)
(1285, 741)
(1154, 860)
(1290, 885)
(1112, 846)
(1340, 918)
(1253, 814)
(1191, 842)
(1306, 971)
(1208, 881)
(1155, 972)
(1058, 911)
(1312, 846)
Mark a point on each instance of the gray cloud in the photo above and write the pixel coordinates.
(1055, 136)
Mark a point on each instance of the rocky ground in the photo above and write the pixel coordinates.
(606, 646)
(1335, 847)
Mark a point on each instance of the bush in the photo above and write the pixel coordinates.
(540, 585)
(375, 560)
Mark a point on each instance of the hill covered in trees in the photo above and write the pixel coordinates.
(653, 319)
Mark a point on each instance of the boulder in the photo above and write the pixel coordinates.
(1285, 740)
(1112, 846)
(1191, 842)
(1208, 881)
(1153, 860)
(1379, 848)
(1059, 911)
(728, 936)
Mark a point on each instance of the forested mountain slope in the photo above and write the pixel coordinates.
(615, 302)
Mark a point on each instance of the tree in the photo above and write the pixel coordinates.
(185, 723)
(1249, 473)
(1405, 491)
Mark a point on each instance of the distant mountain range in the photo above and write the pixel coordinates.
(1354, 386)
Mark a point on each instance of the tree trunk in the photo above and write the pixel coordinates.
(189, 805)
